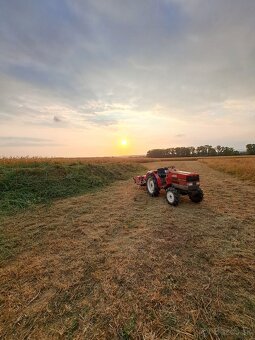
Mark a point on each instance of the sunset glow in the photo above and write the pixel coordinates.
(124, 142)
(78, 78)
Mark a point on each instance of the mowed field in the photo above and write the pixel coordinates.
(118, 264)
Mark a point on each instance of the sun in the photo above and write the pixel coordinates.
(124, 142)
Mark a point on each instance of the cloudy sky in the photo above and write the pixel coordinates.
(77, 77)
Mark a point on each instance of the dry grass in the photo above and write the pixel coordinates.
(16, 161)
(118, 264)
(128, 159)
(55, 160)
(33, 161)
(243, 168)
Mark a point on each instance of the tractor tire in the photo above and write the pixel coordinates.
(152, 186)
(196, 196)
(172, 196)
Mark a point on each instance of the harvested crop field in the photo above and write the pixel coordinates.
(118, 264)
(242, 167)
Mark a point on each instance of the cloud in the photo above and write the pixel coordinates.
(56, 119)
(96, 64)
(25, 141)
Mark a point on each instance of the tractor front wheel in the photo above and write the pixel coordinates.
(172, 196)
(196, 196)
(152, 186)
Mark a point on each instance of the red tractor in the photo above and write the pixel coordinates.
(175, 183)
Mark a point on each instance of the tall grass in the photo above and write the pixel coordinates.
(36, 161)
(243, 168)
(25, 183)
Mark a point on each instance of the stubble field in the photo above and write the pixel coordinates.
(117, 264)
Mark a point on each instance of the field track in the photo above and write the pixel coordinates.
(118, 264)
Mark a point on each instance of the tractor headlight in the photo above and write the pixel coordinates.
(190, 184)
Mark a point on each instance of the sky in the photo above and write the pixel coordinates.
(118, 77)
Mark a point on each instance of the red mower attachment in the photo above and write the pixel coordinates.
(174, 182)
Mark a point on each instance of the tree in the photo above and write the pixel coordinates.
(157, 153)
(250, 149)
(219, 149)
(192, 151)
(227, 151)
(170, 152)
(210, 151)
(201, 151)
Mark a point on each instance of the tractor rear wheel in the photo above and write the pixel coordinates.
(196, 196)
(172, 196)
(152, 186)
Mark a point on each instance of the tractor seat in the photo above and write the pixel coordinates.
(161, 172)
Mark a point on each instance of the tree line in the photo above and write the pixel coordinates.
(199, 151)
